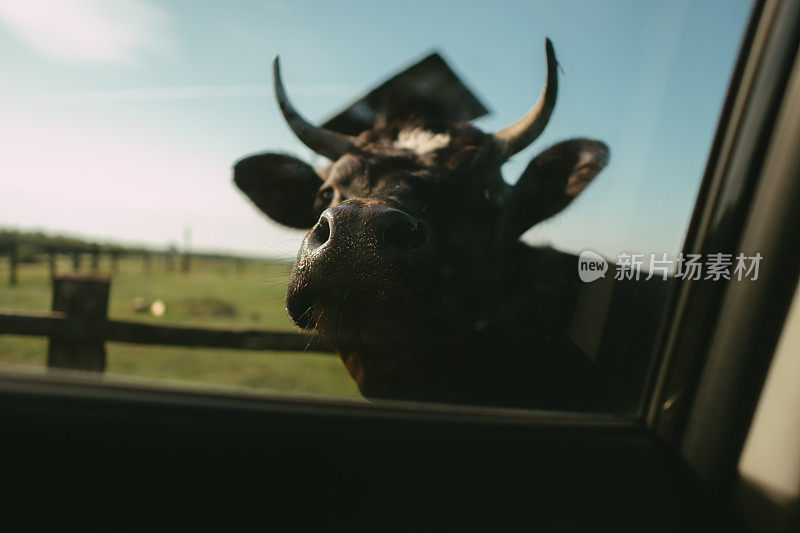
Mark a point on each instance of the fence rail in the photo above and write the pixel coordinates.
(78, 328)
(54, 324)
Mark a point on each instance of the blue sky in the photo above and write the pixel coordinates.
(121, 119)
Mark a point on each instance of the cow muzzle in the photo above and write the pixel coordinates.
(383, 230)
(361, 257)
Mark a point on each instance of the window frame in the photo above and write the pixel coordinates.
(733, 207)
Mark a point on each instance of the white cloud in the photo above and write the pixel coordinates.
(87, 31)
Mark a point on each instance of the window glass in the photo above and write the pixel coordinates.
(397, 228)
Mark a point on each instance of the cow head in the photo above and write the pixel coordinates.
(410, 231)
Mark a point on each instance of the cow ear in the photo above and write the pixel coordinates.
(553, 179)
(281, 186)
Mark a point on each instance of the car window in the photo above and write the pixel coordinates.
(473, 204)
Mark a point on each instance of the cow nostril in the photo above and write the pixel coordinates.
(320, 234)
(405, 234)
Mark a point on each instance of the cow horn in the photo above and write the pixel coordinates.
(517, 136)
(331, 144)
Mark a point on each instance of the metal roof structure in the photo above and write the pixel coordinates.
(427, 89)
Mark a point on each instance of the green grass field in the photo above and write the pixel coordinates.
(212, 294)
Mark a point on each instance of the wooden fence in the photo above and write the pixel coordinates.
(78, 328)
(95, 253)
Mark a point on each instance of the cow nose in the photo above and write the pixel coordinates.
(388, 227)
(321, 233)
(401, 231)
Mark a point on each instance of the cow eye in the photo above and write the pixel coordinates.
(325, 196)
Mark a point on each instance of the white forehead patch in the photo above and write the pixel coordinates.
(421, 141)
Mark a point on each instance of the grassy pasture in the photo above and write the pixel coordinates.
(214, 293)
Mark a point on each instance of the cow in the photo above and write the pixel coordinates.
(413, 268)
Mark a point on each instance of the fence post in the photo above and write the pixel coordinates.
(79, 296)
(13, 262)
(51, 262)
(95, 258)
(186, 262)
(76, 261)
